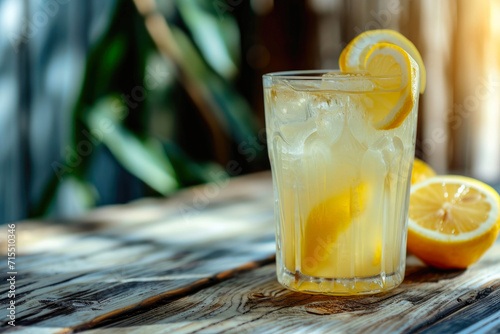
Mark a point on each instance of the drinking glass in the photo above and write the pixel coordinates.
(341, 186)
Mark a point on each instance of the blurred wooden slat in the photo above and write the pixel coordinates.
(469, 74)
(358, 17)
(387, 14)
(485, 140)
(329, 31)
(436, 44)
(410, 21)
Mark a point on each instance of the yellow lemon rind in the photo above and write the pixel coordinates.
(353, 55)
(396, 116)
(451, 255)
(421, 171)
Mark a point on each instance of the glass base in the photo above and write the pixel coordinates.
(340, 286)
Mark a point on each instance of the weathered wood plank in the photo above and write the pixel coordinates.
(482, 315)
(115, 259)
(487, 325)
(255, 302)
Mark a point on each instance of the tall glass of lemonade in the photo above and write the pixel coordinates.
(341, 146)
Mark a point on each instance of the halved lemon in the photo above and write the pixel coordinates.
(390, 105)
(421, 171)
(453, 221)
(355, 53)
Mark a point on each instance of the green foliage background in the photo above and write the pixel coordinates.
(146, 134)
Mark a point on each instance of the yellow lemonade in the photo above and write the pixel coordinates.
(341, 173)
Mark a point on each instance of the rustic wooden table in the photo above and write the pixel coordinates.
(203, 261)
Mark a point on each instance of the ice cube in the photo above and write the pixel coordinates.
(399, 160)
(359, 122)
(317, 150)
(374, 171)
(391, 149)
(374, 166)
(318, 169)
(382, 143)
(328, 112)
(295, 134)
(289, 105)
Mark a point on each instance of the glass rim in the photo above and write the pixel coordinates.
(317, 75)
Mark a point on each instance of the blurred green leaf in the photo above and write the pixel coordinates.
(230, 32)
(145, 158)
(84, 192)
(235, 114)
(106, 67)
(116, 66)
(214, 37)
(190, 172)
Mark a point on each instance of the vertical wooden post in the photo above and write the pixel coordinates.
(469, 74)
(436, 45)
(485, 139)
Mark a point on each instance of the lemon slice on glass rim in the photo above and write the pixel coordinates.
(390, 105)
(355, 53)
(395, 66)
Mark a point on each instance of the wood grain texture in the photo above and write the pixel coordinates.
(428, 301)
(120, 258)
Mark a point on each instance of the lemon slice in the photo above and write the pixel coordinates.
(421, 171)
(389, 106)
(325, 223)
(354, 54)
(453, 221)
